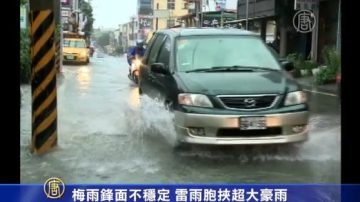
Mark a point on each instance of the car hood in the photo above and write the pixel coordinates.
(216, 83)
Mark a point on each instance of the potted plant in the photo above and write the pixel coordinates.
(332, 63)
(310, 67)
(297, 60)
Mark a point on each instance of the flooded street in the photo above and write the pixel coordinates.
(108, 134)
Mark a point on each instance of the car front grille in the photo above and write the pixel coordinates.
(248, 102)
(249, 133)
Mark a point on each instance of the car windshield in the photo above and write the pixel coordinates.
(74, 44)
(206, 52)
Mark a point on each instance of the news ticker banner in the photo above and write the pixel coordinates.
(55, 191)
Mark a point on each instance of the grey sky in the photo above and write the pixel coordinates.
(111, 13)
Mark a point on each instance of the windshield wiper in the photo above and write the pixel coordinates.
(221, 68)
(241, 68)
(236, 68)
(231, 68)
(265, 69)
(198, 70)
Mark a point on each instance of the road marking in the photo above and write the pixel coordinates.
(318, 92)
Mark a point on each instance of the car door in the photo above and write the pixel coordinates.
(144, 71)
(147, 77)
(162, 83)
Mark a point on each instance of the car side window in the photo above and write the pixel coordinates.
(149, 46)
(154, 52)
(164, 55)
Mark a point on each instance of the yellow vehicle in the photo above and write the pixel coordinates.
(76, 50)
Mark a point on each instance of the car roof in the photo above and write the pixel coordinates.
(205, 32)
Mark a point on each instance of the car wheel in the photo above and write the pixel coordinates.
(169, 105)
(139, 86)
(136, 80)
(181, 146)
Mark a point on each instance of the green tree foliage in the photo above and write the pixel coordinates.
(119, 50)
(332, 61)
(87, 9)
(104, 39)
(22, 2)
(25, 60)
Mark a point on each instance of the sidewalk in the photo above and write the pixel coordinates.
(309, 84)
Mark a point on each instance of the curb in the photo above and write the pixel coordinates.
(313, 87)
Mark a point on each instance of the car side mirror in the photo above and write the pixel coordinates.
(158, 68)
(288, 66)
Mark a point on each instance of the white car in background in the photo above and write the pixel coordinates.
(100, 54)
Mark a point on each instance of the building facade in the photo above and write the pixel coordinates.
(208, 13)
(129, 33)
(167, 13)
(145, 18)
(326, 31)
(71, 17)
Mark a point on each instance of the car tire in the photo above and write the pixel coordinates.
(140, 87)
(169, 105)
(181, 146)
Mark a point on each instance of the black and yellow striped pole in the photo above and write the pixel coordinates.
(43, 80)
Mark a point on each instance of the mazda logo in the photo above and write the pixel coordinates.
(250, 102)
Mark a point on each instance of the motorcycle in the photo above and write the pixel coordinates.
(91, 51)
(134, 70)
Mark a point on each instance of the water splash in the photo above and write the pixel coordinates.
(153, 119)
(148, 117)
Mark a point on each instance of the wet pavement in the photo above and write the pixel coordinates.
(106, 136)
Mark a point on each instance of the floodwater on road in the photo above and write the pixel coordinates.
(107, 133)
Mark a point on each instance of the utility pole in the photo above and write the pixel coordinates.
(247, 14)
(43, 76)
(338, 38)
(314, 39)
(132, 29)
(222, 18)
(157, 19)
(202, 14)
(197, 13)
(222, 7)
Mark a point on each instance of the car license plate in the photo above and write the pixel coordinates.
(70, 57)
(252, 123)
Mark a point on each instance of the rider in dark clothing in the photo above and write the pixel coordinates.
(133, 52)
(138, 50)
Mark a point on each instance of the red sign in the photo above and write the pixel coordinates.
(65, 2)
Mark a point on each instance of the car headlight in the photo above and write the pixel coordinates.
(294, 98)
(137, 62)
(83, 54)
(194, 100)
